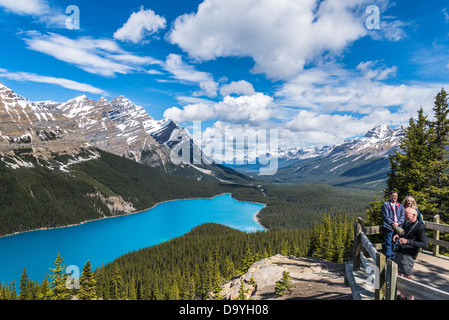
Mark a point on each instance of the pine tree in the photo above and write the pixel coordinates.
(438, 190)
(440, 128)
(87, 284)
(25, 293)
(217, 284)
(3, 292)
(284, 285)
(284, 248)
(100, 280)
(187, 291)
(45, 292)
(409, 172)
(12, 291)
(374, 213)
(156, 292)
(196, 280)
(115, 285)
(208, 277)
(57, 285)
(340, 232)
(132, 293)
(174, 291)
(34, 289)
(331, 238)
(146, 285)
(243, 293)
(248, 260)
(421, 167)
(228, 269)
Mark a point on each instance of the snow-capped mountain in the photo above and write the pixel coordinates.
(76, 128)
(361, 161)
(117, 126)
(123, 128)
(378, 142)
(30, 131)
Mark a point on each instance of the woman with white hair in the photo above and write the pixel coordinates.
(410, 202)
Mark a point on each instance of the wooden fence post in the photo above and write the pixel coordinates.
(436, 236)
(381, 262)
(357, 246)
(391, 276)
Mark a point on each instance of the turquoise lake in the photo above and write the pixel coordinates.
(102, 241)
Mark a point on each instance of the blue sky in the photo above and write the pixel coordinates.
(317, 71)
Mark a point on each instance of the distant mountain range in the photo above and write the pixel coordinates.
(361, 162)
(60, 134)
(52, 131)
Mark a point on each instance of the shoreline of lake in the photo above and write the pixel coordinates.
(255, 218)
(104, 240)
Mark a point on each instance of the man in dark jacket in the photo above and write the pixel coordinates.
(392, 217)
(413, 238)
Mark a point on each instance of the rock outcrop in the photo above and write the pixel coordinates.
(312, 279)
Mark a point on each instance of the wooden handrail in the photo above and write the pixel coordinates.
(420, 290)
(369, 246)
(361, 240)
(389, 281)
(435, 226)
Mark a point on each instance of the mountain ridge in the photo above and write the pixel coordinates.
(27, 130)
(359, 162)
(117, 126)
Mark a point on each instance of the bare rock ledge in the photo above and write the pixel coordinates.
(312, 278)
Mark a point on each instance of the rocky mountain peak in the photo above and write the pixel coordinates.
(3, 87)
(380, 132)
(80, 99)
(10, 98)
(31, 130)
(102, 100)
(123, 103)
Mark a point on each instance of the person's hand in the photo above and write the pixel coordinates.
(403, 241)
(395, 237)
(395, 225)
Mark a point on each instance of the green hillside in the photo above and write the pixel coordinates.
(39, 197)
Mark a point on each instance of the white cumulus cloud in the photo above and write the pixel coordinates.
(140, 25)
(185, 72)
(191, 112)
(237, 87)
(25, 7)
(280, 36)
(40, 9)
(252, 109)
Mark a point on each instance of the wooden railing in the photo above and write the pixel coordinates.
(437, 227)
(361, 241)
(387, 281)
